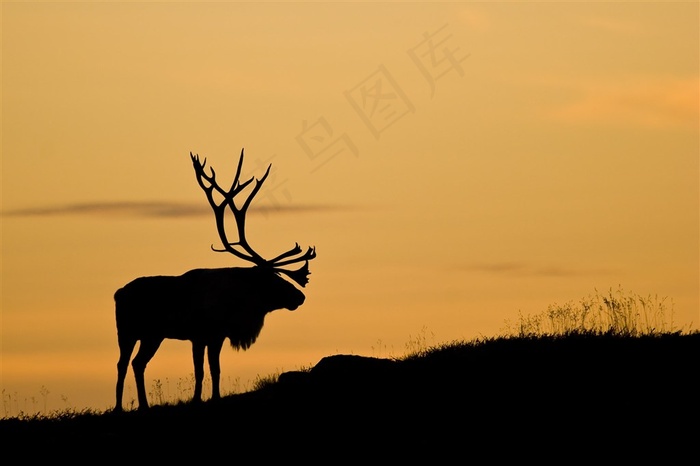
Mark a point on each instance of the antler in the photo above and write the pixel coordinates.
(209, 185)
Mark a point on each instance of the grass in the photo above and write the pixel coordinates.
(615, 312)
(160, 391)
(611, 367)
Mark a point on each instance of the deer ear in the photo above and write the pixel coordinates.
(301, 276)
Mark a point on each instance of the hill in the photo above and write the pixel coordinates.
(582, 394)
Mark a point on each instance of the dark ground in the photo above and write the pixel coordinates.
(564, 400)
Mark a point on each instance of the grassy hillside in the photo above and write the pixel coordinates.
(606, 380)
(582, 393)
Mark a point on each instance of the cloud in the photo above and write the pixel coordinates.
(152, 209)
(522, 269)
(653, 102)
(475, 19)
(614, 25)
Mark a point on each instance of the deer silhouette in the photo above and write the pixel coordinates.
(206, 306)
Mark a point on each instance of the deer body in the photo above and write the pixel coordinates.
(206, 306)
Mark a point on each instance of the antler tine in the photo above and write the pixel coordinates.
(236, 186)
(308, 255)
(238, 173)
(301, 275)
(240, 215)
(295, 250)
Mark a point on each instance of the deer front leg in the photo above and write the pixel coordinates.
(198, 359)
(213, 352)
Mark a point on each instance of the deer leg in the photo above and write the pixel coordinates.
(198, 359)
(146, 351)
(126, 347)
(213, 352)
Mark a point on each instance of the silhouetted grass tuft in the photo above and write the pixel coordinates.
(615, 312)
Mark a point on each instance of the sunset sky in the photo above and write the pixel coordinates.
(454, 164)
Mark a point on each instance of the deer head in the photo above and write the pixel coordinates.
(242, 248)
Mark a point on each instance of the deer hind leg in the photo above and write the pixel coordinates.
(126, 347)
(147, 349)
(198, 360)
(213, 352)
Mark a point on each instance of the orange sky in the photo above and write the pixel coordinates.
(454, 164)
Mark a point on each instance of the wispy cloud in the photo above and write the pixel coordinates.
(152, 209)
(523, 269)
(475, 19)
(613, 25)
(653, 102)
